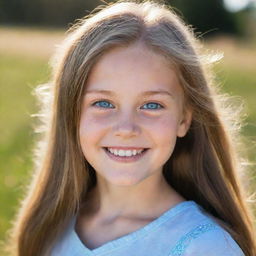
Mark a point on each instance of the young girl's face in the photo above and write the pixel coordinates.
(132, 100)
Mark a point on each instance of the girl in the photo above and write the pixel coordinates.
(137, 159)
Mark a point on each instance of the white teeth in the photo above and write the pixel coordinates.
(122, 152)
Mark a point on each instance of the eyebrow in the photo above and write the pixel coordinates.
(146, 93)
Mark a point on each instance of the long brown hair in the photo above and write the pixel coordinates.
(204, 167)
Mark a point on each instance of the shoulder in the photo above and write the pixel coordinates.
(206, 239)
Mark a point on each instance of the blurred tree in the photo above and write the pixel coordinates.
(207, 17)
(12, 11)
(246, 20)
(45, 12)
(64, 12)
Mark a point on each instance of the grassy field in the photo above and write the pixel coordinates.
(24, 54)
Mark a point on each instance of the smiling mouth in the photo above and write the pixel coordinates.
(123, 150)
(125, 158)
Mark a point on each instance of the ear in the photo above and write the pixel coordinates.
(185, 123)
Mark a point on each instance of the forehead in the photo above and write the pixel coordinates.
(135, 67)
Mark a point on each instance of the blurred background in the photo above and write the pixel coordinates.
(30, 30)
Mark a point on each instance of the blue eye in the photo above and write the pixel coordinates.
(152, 105)
(106, 104)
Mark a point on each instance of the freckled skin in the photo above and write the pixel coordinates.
(128, 72)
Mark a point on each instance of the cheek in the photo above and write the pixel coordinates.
(165, 126)
(90, 130)
(164, 131)
(92, 123)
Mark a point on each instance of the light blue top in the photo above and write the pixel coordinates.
(185, 229)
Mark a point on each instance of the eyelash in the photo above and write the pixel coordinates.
(161, 106)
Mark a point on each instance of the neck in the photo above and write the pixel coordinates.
(150, 198)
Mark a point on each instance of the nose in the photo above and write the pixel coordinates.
(126, 126)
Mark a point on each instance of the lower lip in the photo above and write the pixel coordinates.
(126, 159)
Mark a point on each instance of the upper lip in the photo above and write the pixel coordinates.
(127, 148)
